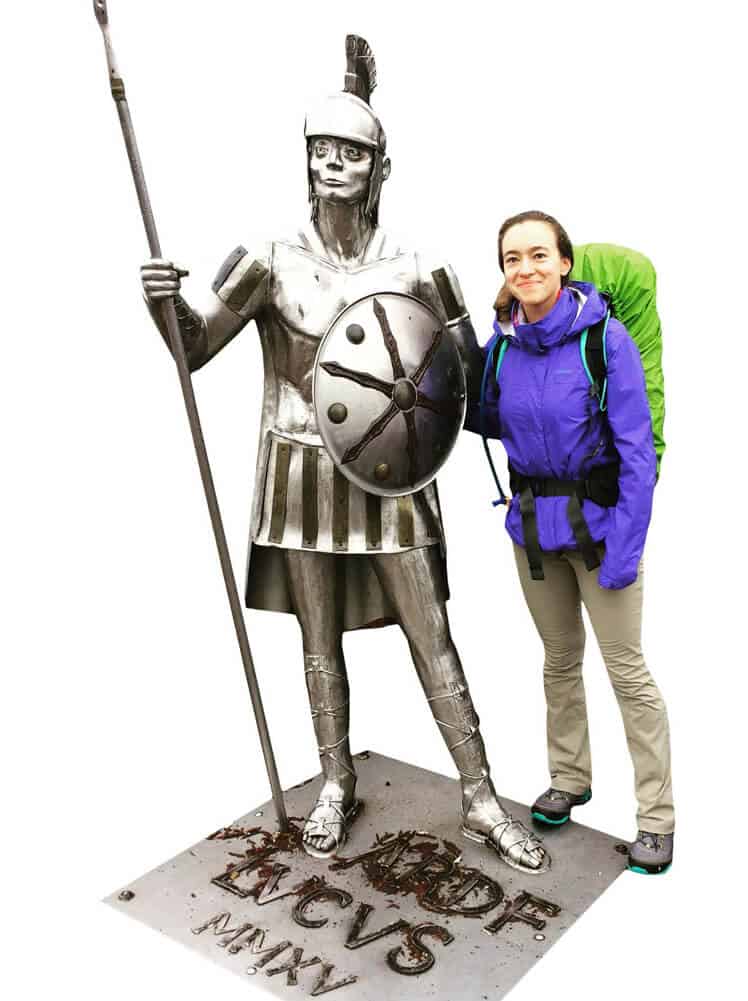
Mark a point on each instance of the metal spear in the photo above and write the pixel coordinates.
(177, 348)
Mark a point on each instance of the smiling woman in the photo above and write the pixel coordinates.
(583, 468)
(536, 260)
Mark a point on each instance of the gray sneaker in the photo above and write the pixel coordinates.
(554, 806)
(651, 854)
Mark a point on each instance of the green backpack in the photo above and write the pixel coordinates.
(628, 279)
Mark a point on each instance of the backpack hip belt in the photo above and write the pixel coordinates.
(600, 486)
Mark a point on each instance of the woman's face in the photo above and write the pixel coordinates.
(533, 266)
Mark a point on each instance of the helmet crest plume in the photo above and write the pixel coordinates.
(361, 70)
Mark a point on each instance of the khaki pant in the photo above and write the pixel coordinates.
(555, 605)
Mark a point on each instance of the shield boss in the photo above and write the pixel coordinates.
(389, 393)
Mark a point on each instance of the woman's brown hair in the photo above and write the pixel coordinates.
(504, 300)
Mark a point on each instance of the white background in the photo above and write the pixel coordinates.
(126, 733)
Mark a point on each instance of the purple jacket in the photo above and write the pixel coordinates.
(551, 427)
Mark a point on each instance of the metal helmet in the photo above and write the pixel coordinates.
(389, 393)
(348, 115)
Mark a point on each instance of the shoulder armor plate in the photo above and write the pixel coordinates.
(243, 282)
(228, 266)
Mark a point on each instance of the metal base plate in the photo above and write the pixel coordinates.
(408, 908)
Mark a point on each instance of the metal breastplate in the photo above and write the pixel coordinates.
(306, 294)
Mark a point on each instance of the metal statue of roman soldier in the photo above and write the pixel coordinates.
(368, 354)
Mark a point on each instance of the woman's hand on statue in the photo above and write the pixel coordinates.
(161, 279)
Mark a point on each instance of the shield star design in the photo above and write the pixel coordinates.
(389, 392)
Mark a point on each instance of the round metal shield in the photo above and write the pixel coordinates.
(389, 392)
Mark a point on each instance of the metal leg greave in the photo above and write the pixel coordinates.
(460, 726)
(336, 808)
(484, 819)
(327, 685)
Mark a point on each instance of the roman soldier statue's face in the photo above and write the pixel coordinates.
(340, 169)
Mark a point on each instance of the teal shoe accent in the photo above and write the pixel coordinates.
(646, 872)
(547, 820)
(587, 797)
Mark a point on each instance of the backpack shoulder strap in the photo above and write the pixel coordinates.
(593, 348)
(500, 358)
(501, 344)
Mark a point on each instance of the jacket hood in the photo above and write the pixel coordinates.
(579, 306)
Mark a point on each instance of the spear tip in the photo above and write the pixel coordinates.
(101, 12)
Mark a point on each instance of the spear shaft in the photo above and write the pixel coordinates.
(177, 348)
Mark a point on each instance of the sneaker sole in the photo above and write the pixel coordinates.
(659, 871)
(558, 821)
(548, 820)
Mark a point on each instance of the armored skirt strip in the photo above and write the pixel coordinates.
(305, 502)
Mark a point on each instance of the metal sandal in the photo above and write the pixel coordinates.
(327, 828)
(504, 836)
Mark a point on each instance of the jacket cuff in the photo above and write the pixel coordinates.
(615, 582)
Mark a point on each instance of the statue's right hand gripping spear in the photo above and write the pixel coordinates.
(177, 348)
